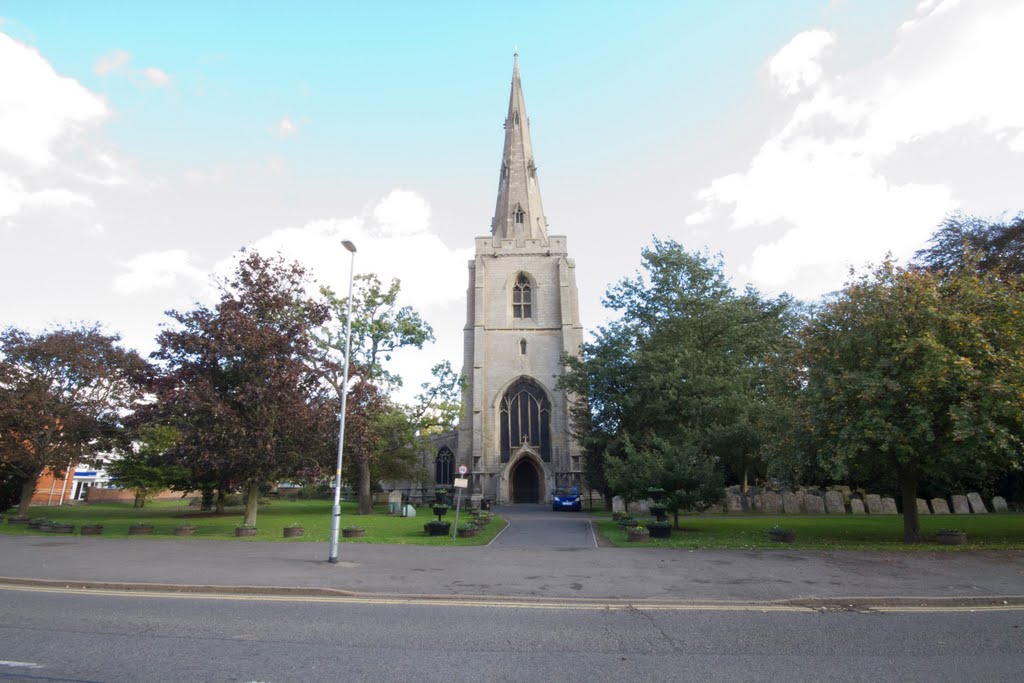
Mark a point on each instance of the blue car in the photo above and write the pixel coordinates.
(567, 499)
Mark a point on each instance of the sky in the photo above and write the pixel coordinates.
(143, 144)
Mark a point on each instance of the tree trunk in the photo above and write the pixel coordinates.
(27, 489)
(252, 500)
(675, 518)
(207, 501)
(743, 486)
(140, 500)
(365, 499)
(908, 489)
(221, 496)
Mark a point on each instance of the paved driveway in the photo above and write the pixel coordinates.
(539, 527)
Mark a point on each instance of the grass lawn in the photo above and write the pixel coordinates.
(313, 515)
(822, 532)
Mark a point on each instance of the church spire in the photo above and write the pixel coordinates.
(519, 213)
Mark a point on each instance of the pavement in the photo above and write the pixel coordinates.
(558, 560)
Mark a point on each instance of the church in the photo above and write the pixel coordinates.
(522, 314)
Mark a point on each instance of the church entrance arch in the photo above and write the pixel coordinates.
(525, 482)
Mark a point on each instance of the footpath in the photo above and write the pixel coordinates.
(510, 572)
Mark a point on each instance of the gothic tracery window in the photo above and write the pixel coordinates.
(525, 417)
(444, 466)
(520, 215)
(522, 298)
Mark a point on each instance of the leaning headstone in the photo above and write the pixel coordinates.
(394, 502)
(733, 504)
(771, 502)
(618, 504)
(888, 506)
(873, 502)
(814, 505)
(961, 506)
(834, 503)
(999, 504)
(939, 506)
(408, 511)
(922, 507)
(856, 506)
(790, 504)
(977, 506)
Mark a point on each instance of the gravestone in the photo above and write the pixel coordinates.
(408, 511)
(961, 506)
(771, 502)
(999, 504)
(733, 504)
(394, 502)
(618, 504)
(873, 502)
(814, 505)
(834, 503)
(888, 506)
(757, 502)
(940, 506)
(922, 506)
(856, 506)
(977, 506)
(790, 504)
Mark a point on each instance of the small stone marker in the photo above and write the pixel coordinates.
(940, 506)
(757, 502)
(961, 506)
(999, 504)
(771, 502)
(408, 511)
(733, 504)
(790, 504)
(834, 503)
(922, 507)
(856, 506)
(888, 506)
(873, 502)
(618, 504)
(814, 505)
(977, 505)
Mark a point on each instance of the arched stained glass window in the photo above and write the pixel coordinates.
(525, 417)
(522, 298)
(444, 466)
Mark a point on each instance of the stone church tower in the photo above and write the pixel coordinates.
(522, 314)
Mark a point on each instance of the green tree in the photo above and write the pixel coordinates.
(63, 396)
(143, 470)
(685, 363)
(689, 480)
(379, 328)
(243, 382)
(971, 242)
(913, 374)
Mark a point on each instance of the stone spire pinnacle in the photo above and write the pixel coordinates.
(518, 213)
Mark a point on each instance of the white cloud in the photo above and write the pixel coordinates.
(826, 179)
(402, 213)
(797, 66)
(15, 197)
(286, 128)
(157, 77)
(928, 8)
(158, 270)
(38, 107)
(112, 62)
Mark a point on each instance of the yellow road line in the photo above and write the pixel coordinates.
(503, 604)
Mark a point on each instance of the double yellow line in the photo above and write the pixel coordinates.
(511, 603)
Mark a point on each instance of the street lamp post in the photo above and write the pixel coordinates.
(336, 510)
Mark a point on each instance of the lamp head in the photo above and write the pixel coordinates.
(348, 245)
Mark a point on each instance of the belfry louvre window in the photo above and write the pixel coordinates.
(444, 466)
(522, 299)
(520, 216)
(525, 416)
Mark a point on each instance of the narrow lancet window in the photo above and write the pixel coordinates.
(522, 301)
(522, 346)
(520, 215)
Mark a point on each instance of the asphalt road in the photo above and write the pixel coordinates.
(539, 527)
(57, 636)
